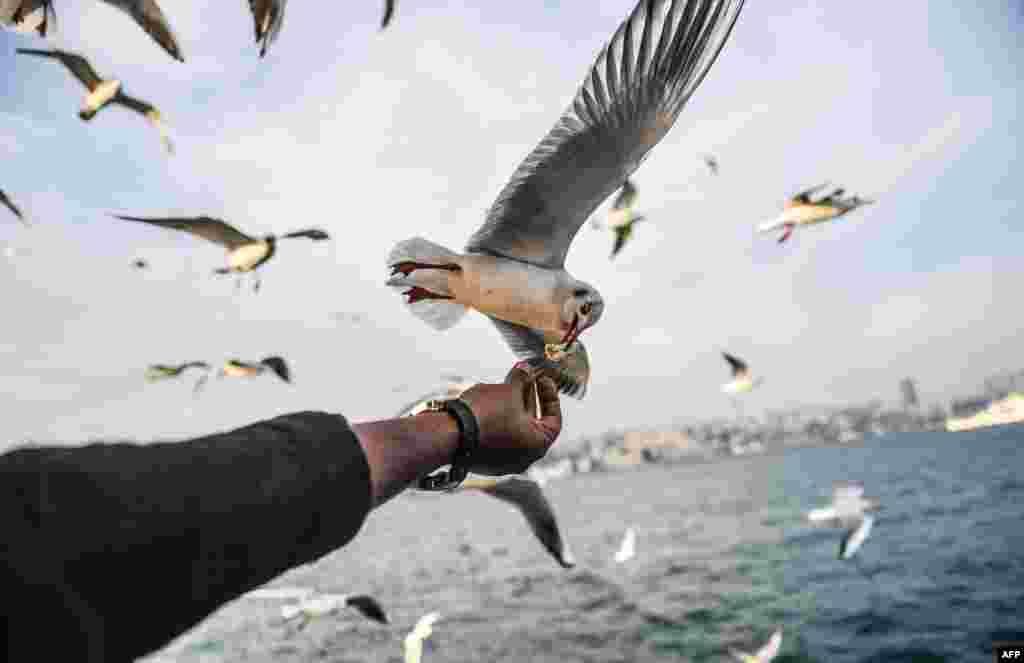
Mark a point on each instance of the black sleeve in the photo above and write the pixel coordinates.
(109, 551)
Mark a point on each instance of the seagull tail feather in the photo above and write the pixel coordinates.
(441, 314)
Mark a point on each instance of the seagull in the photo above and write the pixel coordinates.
(325, 605)
(848, 509)
(628, 548)
(414, 641)
(140, 263)
(764, 654)
(268, 17)
(742, 381)
(621, 217)
(236, 368)
(526, 495)
(453, 388)
(151, 19)
(245, 253)
(9, 204)
(389, 11)
(513, 270)
(103, 92)
(712, 163)
(800, 210)
(155, 372)
(23, 15)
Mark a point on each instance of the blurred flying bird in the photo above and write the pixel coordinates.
(513, 270)
(236, 368)
(155, 372)
(742, 380)
(27, 15)
(712, 163)
(800, 210)
(9, 204)
(622, 217)
(324, 605)
(139, 263)
(245, 253)
(627, 550)
(268, 17)
(526, 496)
(764, 654)
(413, 644)
(103, 92)
(848, 510)
(389, 11)
(151, 19)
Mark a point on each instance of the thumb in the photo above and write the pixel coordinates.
(550, 405)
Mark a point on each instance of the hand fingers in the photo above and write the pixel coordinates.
(550, 405)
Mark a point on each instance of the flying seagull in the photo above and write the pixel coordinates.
(324, 605)
(800, 210)
(245, 253)
(268, 17)
(155, 372)
(9, 204)
(151, 19)
(236, 368)
(389, 11)
(764, 654)
(621, 217)
(413, 644)
(627, 550)
(513, 270)
(452, 388)
(742, 380)
(103, 92)
(526, 496)
(140, 263)
(23, 15)
(849, 510)
(712, 163)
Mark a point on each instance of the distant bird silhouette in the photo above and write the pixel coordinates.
(102, 92)
(139, 263)
(413, 643)
(742, 380)
(155, 372)
(764, 654)
(622, 218)
(9, 204)
(389, 11)
(527, 496)
(25, 19)
(323, 605)
(268, 17)
(245, 253)
(148, 15)
(849, 510)
(236, 368)
(800, 210)
(712, 163)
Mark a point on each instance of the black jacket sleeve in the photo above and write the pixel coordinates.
(109, 551)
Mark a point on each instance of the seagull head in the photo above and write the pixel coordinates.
(582, 310)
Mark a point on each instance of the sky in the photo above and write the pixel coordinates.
(380, 136)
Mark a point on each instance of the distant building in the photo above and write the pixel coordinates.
(909, 390)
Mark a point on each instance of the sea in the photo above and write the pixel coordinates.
(724, 556)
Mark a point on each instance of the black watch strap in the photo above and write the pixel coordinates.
(469, 442)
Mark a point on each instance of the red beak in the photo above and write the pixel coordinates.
(573, 333)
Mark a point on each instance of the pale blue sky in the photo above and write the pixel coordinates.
(380, 136)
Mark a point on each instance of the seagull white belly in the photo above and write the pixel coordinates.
(103, 93)
(244, 258)
(512, 291)
(808, 214)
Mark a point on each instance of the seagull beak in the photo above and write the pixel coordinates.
(573, 333)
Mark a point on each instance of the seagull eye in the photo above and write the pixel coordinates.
(586, 308)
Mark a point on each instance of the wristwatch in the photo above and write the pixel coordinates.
(469, 442)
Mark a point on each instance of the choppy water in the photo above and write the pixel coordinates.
(723, 557)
